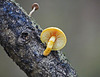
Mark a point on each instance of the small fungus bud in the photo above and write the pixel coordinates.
(35, 7)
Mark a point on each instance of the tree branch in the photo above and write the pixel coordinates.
(19, 36)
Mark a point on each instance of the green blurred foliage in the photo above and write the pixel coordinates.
(80, 20)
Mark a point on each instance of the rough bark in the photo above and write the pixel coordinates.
(19, 36)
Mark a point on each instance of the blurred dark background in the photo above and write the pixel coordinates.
(80, 20)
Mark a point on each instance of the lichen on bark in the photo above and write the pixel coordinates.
(20, 37)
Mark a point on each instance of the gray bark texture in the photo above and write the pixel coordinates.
(20, 38)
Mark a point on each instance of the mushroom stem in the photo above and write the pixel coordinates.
(32, 11)
(49, 46)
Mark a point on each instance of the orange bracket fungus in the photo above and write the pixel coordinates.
(35, 6)
(54, 38)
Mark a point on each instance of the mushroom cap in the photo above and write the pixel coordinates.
(36, 5)
(58, 33)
